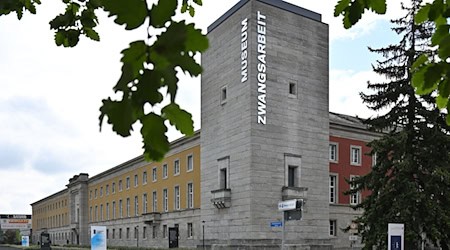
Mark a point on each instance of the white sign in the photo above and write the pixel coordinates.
(396, 236)
(261, 67)
(244, 52)
(98, 238)
(287, 205)
(353, 237)
(25, 241)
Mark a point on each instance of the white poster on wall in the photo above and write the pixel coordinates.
(25, 241)
(98, 237)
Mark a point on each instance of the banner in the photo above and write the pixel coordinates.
(98, 238)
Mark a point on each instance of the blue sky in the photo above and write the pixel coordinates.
(50, 96)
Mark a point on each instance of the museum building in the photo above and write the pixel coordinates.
(266, 136)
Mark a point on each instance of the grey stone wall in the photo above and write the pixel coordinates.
(296, 52)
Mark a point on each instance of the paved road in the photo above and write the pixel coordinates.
(7, 248)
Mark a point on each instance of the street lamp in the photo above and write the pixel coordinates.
(203, 235)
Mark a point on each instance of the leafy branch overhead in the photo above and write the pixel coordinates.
(147, 68)
(430, 73)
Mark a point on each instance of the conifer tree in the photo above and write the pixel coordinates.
(410, 182)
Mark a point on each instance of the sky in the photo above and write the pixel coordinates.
(50, 96)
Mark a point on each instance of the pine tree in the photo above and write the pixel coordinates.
(410, 182)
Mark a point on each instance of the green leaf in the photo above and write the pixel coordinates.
(441, 102)
(419, 61)
(440, 33)
(417, 80)
(378, 6)
(436, 10)
(444, 48)
(170, 80)
(162, 12)
(355, 12)
(148, 88)
(88, 18)
(60, 37)
(444, 90)
(422, 14)
(195, 41)
(68, 19)
(120, 115)
(191, 11)
(189, 65)
(92, 34)
(135, 56)
(133, 60)
(153, 131)
(198, 2)
(431, 77)
(73, 36)
(341, 6)
(179, 118)
(132, 13)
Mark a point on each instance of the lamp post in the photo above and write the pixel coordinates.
(203, 235)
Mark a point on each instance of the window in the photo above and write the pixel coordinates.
(136, 206)
(120, 209)
(128, 182)
(176, 167)
(155, 202)
(107, 233)
(355, 155)
(354, 197)
(95, 193)
(333, 152)
(292, 176)
(120, 233)
(144, 233)
(177, 198)
(101, 212)
(90, 195)
(164, 171)
(144, 177)
(292, 165)
(135, 232)
(190, 195)
(107, 189)
(333, 188)
(144, 203)
(101, 191)
(332, 227)
(224, 182)
(223, 95)
(165, 201)
(154, 174)
(190, 163)
(113, 188)
(107, 211)
(113, 233)
(114, 210)
(164, 231)
(90, 214)
(136, 179)
(120, 186)
(128, 232)
(96, 213)
(128, 207)
(292, 90)
(154, 232)
(190, 230)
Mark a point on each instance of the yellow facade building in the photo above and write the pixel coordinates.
(137, 201)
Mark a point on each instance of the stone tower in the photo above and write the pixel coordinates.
(265, 126)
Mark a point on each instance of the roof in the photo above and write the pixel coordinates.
(275, 3)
